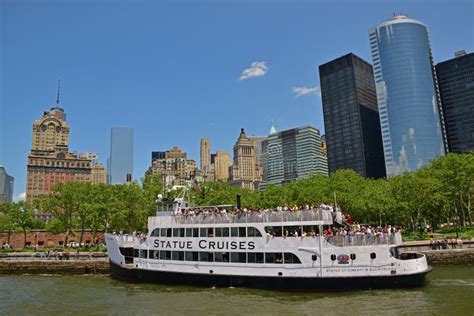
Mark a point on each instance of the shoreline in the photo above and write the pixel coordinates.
(98, 263)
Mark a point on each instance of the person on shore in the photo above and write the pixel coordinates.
(77, 254)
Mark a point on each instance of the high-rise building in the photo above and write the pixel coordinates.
(157, 155)
(260, 144)
(245, 172)
(121, 155)
(50, 161)
(222, 163)
(294, 154)
(98, 174)
(6, 186)
(175, 167)
(351, 117)
(412, 128)
(456, 85)
(205, 155)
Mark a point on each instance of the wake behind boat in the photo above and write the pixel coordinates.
(214, 246)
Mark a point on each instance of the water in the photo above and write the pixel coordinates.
(450, 291)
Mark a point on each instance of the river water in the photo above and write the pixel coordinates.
(450, 291)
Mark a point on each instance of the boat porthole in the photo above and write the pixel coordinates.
(280, 273)
(373, 255)
(314, 257)
(333, 257)
(211, 271)
(353, 256)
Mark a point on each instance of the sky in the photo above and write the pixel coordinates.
(176, 71)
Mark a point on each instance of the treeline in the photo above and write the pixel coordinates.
(440, 192)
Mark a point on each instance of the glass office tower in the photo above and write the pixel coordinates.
(456, 85)
(120, 162)
(407, 96)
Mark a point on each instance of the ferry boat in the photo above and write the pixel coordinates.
(213, 247)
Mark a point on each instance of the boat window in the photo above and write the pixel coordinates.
(155, 232)
(273, 257)
(221, 257)
(142, 253)
(154, 254)
(255, 257)
(225, 232)
(242, 232)
(178, 232)
(275, 231)
(240, 257)
(192, 232)
(292, 231)
(210, 232)
(165, 255)
(165, 232)
(218, 231)
(291, 258)
(234, 232)
(253, 232)
(192, 256)
(135, 253)
(177, 255)
(206, 256)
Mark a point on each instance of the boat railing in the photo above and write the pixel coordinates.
(325, 216)
(366, 240)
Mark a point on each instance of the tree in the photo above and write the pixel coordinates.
(22, 217)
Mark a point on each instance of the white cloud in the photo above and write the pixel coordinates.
(19, 197)
(300, 91)
(257, 69)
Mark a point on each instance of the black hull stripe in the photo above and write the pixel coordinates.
(264, 282)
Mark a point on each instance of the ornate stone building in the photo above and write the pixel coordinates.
(246, 172)
(50, 161)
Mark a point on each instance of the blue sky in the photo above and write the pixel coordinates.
(175, 70)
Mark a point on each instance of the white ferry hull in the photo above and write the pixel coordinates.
(133, 274)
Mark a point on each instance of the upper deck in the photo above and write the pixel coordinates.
(316, 216)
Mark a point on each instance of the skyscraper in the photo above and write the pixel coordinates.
(246, 172)
(6, 186)
(121, 155)
(351, 117)
(174, 167)
(205, 155)
(456, 85)
(412, 131)
(294, 154)
(50, 161)
(222, 163)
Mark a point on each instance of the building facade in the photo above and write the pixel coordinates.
(175, 167)
(50, 161)
(456, 85)
(351, 117)
(245, 172)
(120, 163)
(222, 164)
(205, 155)
(6, 186)
(98, 173)
(295, 154)
(405, 81)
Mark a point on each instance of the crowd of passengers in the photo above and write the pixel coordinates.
(212, 211)
(331, 231)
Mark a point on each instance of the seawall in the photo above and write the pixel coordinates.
(23, 263)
